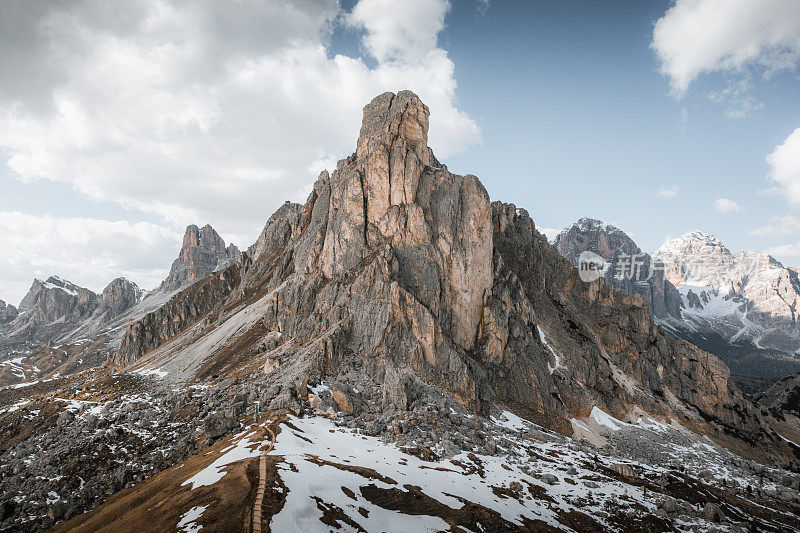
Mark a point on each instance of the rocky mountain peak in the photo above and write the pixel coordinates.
(203, 252)
(694, 242)
(56, 298)
(119, 296)
(392, 150)
(590, 234)
(207, 238)
(630, 271)
(7, 312)
(391, 118)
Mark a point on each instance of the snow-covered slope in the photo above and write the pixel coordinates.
(747, 297)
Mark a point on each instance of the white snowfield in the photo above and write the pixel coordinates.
(536, 475)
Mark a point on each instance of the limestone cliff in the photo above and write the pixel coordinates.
(203, 252)
(7, 312)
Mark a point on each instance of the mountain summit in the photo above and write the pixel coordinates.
(203, 252)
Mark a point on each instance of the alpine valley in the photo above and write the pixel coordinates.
(400, 353)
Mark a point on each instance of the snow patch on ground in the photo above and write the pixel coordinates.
(243, 448)
(467, 477)
(552, 351)
(606, 420)
(157, 372)
(188, 522)
(511, 421)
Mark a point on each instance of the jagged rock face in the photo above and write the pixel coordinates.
(390, 259)
(403, 271)
(749, 296)
(631, 271)
(7, 312)
(696, 258)
(185, 309)
(54, 299)
(119, 296)
(610, 352)
(392, 254)
(202, 253)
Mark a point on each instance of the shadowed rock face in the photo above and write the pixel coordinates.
(641, 275)
(783, 396)
(202, 253)
(7, 312)
(119, 296)
(404, 271)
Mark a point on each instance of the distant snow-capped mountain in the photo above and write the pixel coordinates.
(741, 307)
(749, 296)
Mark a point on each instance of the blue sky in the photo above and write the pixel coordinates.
(208, 114)
(578, 121)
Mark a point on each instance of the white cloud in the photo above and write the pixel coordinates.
(701, 36)
(723, 205)
(781, 226)
(86, 251)
(737, 98)
(200, 112)
(208, 111)
(784, 164)
(668, 192)
(788, 254)
(399, 31)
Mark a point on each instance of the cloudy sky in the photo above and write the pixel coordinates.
(122, 122)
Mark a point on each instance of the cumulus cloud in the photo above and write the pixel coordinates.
(209, 112)
(786, 252)
(723, 205)
(700, 36)
(784, 164)
(780, 226)
(408, 34)
(668, 192)
(86, 251)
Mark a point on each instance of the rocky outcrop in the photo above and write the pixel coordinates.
(118, 297)
(56, 299)
(7, 312)
(630, 270)
(183, 310)
(202, 253)
(397, 277)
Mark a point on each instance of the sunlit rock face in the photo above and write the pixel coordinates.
(203, 252)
